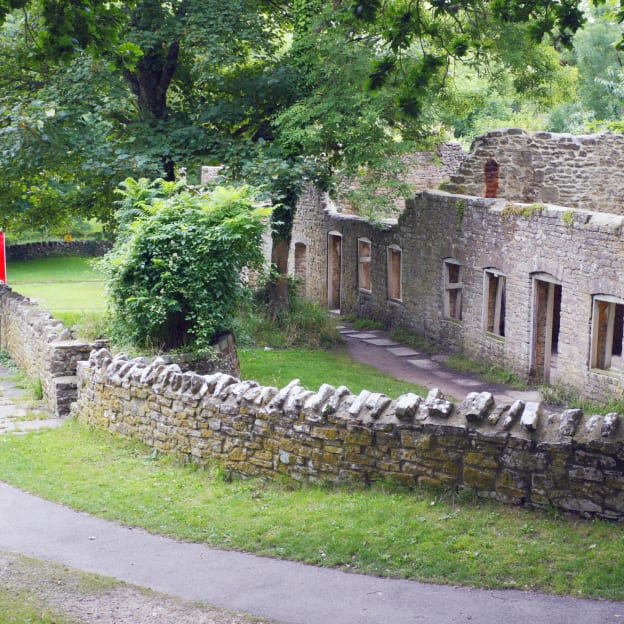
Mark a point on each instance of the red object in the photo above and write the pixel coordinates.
(2, 259)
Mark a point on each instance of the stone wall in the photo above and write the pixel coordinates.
(514, 453)
(42, 347)
(577, 171)
(28, 251)
(581, 252)
(46, 350)
(427, 170)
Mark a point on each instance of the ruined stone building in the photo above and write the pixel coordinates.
(518, 263)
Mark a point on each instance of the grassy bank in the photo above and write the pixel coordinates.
(443, 537)
(277, 367)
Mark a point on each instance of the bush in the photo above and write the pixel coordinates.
(175, 270)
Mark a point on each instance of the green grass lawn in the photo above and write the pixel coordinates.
(48, 270)
(277, 367)
(68, 286)
(443, 537)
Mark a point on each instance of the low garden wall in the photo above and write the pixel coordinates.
(42, 347)
(516, 453)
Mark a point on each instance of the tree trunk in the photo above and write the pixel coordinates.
(150, 84)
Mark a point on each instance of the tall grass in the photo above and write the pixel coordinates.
(303, 324)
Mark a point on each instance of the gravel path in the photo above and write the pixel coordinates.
(83, 598)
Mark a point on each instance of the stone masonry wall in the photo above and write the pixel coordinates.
(27, 251)
(577, 171)
(427, 170)
(581, 250)
(514, 453)
(43, 347)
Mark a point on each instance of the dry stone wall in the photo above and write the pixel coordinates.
(43, 347)
(577, 171)
(516, 453)
(28, 251)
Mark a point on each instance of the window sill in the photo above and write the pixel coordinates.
(615, 373)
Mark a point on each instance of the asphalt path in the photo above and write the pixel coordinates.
(281, 590)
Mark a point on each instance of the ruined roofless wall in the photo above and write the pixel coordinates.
(576, 171)
(514, 453)
(582, 250)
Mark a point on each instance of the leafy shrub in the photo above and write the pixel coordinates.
(175, 270)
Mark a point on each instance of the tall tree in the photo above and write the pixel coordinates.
(280, 90)
(94, 91)
(599, 60)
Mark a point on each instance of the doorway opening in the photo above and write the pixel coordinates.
(301, 268)
(546, 324)
(334, 270)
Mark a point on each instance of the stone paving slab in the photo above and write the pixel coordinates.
(468, 383)
(442, 374)
(364, 335)
(10, 410)
(381, 342)
(18, 414)
(404, 352)
(425, 364)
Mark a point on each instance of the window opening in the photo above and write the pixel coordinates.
(491, 171)
(394, 272)
(546, 324)
(495, 296)
(301, 267)
(607, 332)
(334, 270)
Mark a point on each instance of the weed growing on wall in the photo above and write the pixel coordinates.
(524, 210)
(568, 218)
(175, 270)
